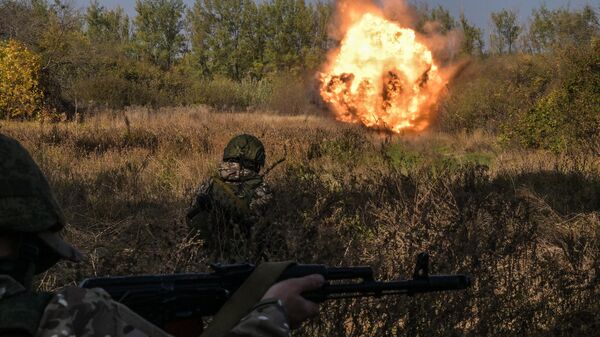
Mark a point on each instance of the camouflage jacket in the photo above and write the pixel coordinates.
(92, 313)
(249, 186)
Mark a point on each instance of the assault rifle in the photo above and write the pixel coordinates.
(167, 299)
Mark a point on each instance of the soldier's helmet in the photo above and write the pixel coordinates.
(27, 205)
(247, 150)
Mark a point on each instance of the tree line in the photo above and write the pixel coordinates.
(102, 55)
(228, 52)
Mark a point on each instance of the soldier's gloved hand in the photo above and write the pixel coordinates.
(297, 308)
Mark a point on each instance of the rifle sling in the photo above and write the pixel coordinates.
(245, 298)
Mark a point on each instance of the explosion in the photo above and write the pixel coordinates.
(382, 77)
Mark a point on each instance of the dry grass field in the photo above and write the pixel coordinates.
(524, 225)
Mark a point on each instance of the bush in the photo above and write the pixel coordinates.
(567, 118)
(491, 90)
(123, 83)
(281, 93)
(20, 96)
(224, 93)
(549, 101)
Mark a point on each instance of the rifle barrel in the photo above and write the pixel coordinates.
(433, 283)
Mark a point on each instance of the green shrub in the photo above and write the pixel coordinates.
(222, 93)
(281, 93)
(130, 83)
(490, 91)
(549, 101)
(567, 118)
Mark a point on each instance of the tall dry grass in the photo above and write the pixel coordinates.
(524, 225)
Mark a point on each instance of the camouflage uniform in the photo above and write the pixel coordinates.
(29, 212)
(247, 183)
(228, 205)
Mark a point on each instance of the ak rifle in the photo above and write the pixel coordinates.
(167, 299)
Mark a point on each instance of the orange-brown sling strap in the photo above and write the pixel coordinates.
(245, 298)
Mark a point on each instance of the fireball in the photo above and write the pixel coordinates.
(382, 77)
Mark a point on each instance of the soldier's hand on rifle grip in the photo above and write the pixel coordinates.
(297, 308)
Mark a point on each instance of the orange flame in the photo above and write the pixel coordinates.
(382, 77)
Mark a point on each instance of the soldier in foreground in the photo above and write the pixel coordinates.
(228, 205)
(30, 222)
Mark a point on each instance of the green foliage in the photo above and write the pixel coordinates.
(226, 94)
(55, 31)
(284, 94)
(226, 37)
(24, 21)
(506, 32)
(551, 29)
(433, 20)
(158, 36)
(567, 118)
(109, 26)
(490, 91)
(399, 156)
(130, 83)
(348, 146)
(240, 39)
(444, 21)
(296, 34)
(534, 101)
(405, 158)
(472, 43)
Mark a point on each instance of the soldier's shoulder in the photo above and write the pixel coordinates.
(91, 312)
(72, 309)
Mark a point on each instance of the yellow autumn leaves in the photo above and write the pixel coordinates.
(20, 96)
